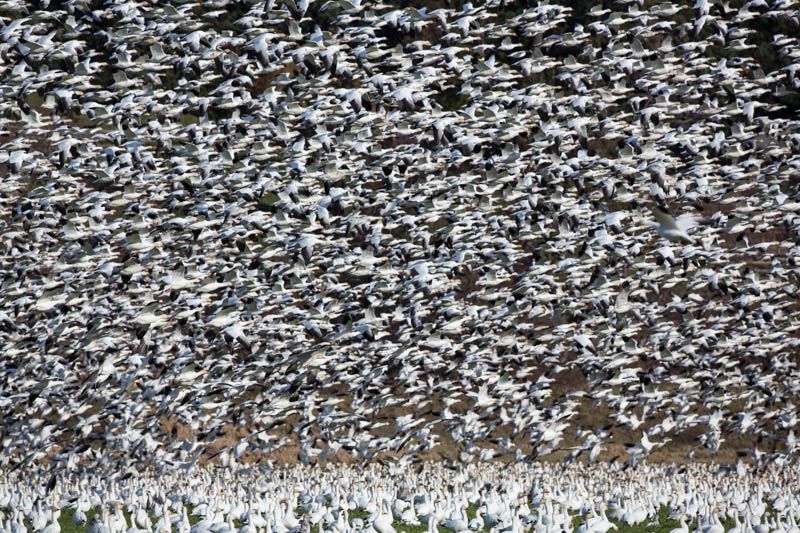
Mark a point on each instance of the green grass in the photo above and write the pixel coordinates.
(68, 526)
(665, 524)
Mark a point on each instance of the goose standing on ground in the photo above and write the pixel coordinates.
(382, 519)
(683, 527)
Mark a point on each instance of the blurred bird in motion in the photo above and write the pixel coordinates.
(674, 229)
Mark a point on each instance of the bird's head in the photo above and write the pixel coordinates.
(662, 216)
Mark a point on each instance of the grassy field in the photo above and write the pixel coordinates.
(663, 524)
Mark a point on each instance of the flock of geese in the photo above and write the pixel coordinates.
(352, 229)
(490, 498)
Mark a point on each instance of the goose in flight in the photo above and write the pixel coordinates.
(674, 229)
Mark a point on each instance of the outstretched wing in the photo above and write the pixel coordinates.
(685, 223)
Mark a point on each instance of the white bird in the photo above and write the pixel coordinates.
(684, 526)
(674, 229)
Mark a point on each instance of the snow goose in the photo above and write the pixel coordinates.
(674, 229)
(683, 527)
(457, 521)
(382, 519)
